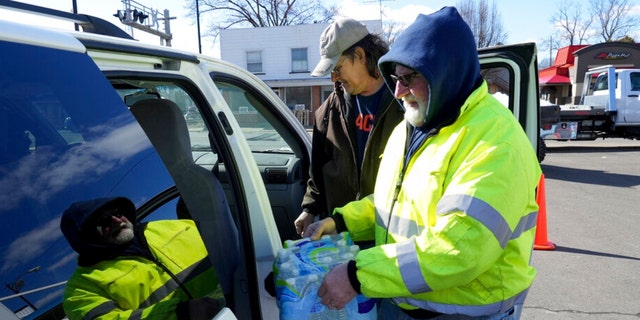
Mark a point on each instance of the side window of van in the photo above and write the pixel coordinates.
(278, 152)
(64, 137)
(134, 90)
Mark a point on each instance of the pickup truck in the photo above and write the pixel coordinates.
(73, 127)
(609, 108)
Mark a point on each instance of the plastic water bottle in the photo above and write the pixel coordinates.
(299, 297)
(330, 314)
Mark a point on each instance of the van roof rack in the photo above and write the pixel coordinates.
(89, 24)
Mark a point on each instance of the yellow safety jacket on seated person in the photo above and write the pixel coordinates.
(134, 287)
(458, 237)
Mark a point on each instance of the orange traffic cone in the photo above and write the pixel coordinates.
(541, 241)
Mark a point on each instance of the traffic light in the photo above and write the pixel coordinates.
(139, 15)
(120, 15)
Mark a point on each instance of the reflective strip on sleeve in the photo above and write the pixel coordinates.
(170, 286)
(136, 315)
(469, 310)
(409, 266)
(381, 217)
(473, 207)
(398, 225)
(479, 210)
(195, 270)
(160, 293)
(100, 310)
(525, 224)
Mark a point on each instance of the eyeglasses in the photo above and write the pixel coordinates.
(336, 70)
(406, 80)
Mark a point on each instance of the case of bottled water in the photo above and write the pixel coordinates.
(298, 271)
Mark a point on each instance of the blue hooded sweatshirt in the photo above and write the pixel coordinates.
(442, 48)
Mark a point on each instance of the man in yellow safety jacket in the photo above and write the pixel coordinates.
(454, 212)
(154, 270)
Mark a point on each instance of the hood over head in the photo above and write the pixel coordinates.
(83, 238)
(442, 48)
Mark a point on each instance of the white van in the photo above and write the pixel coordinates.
(70, 129)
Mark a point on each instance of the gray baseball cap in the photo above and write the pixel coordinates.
(335, 39)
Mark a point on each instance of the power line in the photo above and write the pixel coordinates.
(380, 4)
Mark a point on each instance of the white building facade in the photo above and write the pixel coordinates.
(283, 57)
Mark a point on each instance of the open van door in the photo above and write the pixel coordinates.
(511, 72)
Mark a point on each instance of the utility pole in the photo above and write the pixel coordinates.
(380, 5)
(198, 20)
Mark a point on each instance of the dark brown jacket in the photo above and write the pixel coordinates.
(335, 178)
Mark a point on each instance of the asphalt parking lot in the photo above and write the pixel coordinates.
(593, 219)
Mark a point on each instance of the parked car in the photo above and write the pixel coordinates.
(84, 115)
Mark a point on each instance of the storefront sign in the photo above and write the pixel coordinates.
(613, 55)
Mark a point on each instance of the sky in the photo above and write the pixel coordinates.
(523, 21)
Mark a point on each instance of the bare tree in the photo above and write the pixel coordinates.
(568, 18)
(548, 46)
(484, 20)
(612, 21)
(613, 18)
(391, 29)
(224, 14)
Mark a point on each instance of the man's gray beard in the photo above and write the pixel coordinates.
(416, 117)
(125, 235)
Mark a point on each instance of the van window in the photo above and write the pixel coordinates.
(279, 154)
(65, 136)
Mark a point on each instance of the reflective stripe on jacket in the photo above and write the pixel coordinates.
(132, 287)
(460, 234)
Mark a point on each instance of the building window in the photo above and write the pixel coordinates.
(298, 99)
(254, 61)
(299, 60)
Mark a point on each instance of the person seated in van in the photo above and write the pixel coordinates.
(129, 270)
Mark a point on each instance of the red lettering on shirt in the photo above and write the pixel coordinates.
(364, 122)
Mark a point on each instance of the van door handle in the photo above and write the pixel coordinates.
(632, 96)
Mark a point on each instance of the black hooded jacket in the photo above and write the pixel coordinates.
(83, 238)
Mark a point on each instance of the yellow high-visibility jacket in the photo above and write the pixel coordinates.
(132, 287)
(459, 236)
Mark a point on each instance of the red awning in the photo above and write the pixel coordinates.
(554, 79)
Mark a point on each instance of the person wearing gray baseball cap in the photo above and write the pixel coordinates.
(352, 125)
(335, 39)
